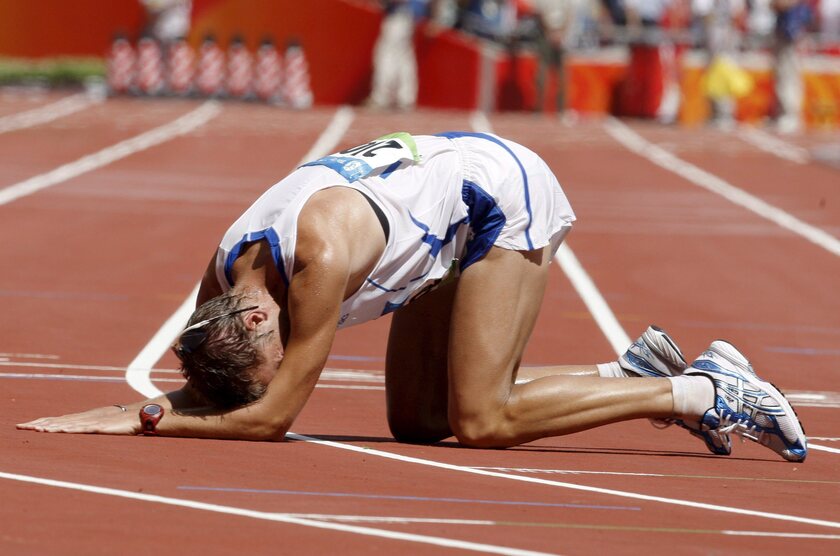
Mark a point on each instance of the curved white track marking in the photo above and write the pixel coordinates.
(571, 486)
(772, 144)
(332, 134)
(138, 373)
(659, 156)
(49, 112)
(592, 298)
(278, 517)
(185, 124)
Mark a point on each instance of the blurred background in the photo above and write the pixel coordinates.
(684, 62)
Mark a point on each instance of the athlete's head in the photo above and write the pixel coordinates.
(230, 348)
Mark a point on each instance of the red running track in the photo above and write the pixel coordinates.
(94, 265)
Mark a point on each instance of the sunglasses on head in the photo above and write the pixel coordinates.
(195, 334)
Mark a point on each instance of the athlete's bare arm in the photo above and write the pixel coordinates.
(339, 240)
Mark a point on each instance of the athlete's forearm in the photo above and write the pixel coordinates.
(246, 423)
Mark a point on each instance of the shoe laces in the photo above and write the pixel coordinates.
(744, 427)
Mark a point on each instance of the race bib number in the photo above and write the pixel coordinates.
(380, 154)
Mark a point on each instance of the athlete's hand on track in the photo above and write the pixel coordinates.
(102, 420)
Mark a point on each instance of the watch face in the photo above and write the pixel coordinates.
(152, 409)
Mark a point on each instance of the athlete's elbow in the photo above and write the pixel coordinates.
(265, 428)
(269, 431)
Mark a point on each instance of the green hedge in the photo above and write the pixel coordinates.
(53, 71)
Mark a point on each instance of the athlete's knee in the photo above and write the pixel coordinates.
(416, 431)
(489, 429)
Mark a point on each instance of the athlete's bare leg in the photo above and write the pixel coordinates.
(416, 369)
(494, 311)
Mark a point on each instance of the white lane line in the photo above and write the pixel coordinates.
(47, 113)
(332, 134)
(592, 298)
(772, 144)
(822, 448)
(181, 126)
(655, 475)
(600, 527)
(74, 367)
(30, 355)
(480, 123)
(46, 376)
(403, 520)
(781, 535)
(340, 375)
(483, 522)
(572, 486)
(121, 380)
(659, 156)
(349, 387)
(271, 516)
(138, 375)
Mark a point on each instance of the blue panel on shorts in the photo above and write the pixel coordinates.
(457, 134)
(486, 221)
(268, 234)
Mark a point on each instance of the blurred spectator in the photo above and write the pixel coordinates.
(761, 20)
(617, 15)
(651, 88)
(167, 20)
(394, 59)
(829, 17)
(645, 13)
(724, 82)
(489, 19)
(792, 20)
(554, 19)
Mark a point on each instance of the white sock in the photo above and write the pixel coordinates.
(693, 396)
(610, 370)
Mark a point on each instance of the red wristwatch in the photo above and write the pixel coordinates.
(150, 416)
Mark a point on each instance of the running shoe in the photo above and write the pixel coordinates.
(656, 354)
(747, 405)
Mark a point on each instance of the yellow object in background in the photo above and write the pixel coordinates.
(725, 79)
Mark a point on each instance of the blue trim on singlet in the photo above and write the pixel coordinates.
(486, 220)
(268, 234)
(391, 307)
(497, 141)
(383, 288)
(390, 169)
(434, 242)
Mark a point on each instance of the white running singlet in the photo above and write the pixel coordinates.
(447, 199)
